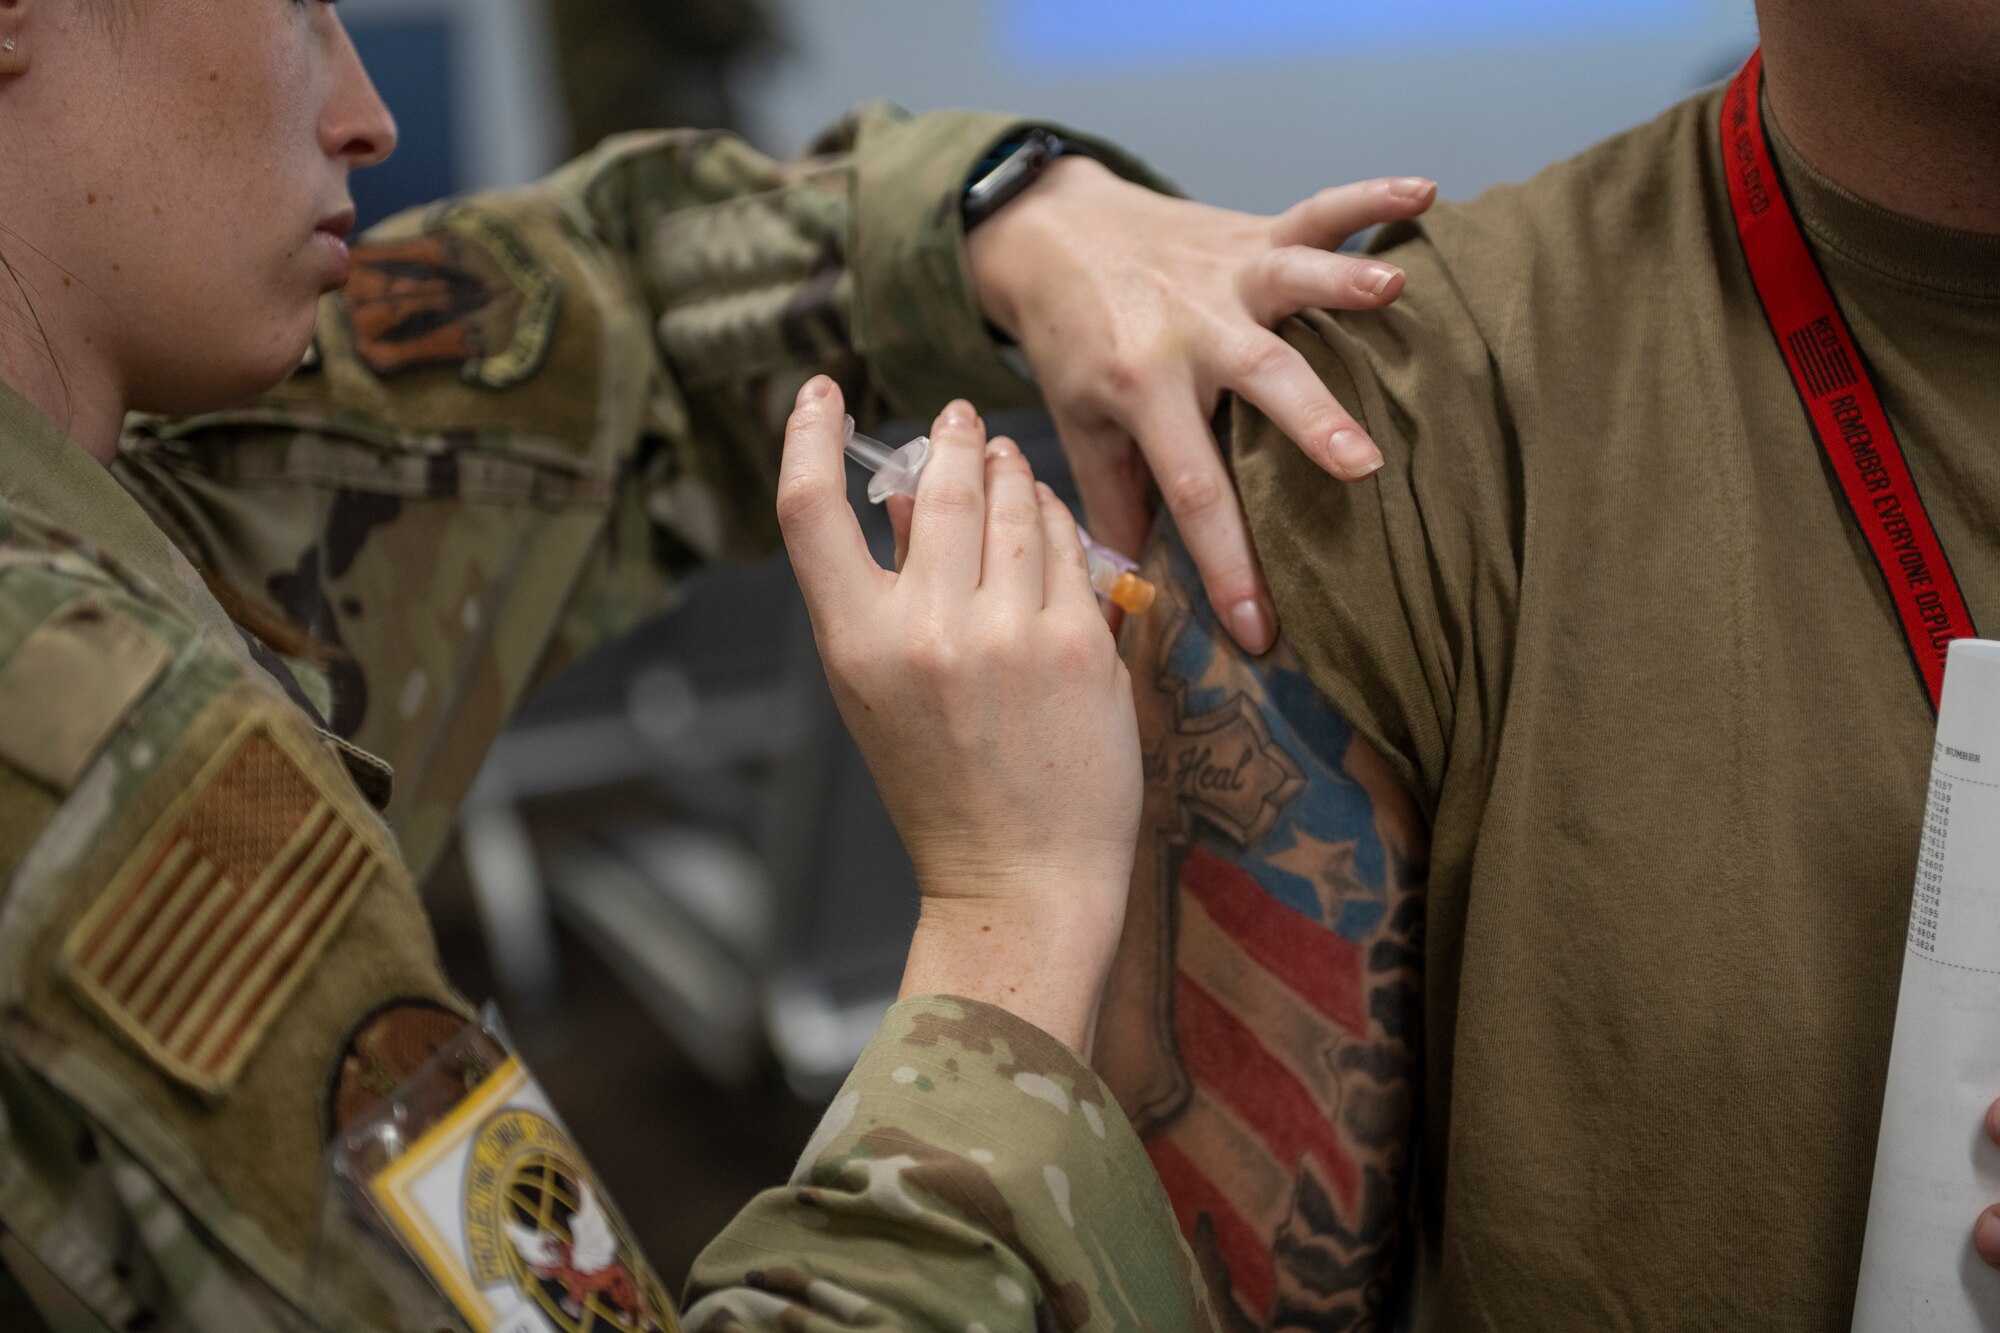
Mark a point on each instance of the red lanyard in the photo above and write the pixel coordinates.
(1839, 396)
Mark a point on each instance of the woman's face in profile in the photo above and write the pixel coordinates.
(183, 165)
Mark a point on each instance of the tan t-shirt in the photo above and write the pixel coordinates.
(1606, 613)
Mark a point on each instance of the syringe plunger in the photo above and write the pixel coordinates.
(896, 470)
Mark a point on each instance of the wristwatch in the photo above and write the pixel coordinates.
(1014, 164)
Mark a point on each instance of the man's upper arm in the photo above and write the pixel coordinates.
(1398, 594)
(1262, 1022)
(1265, 1024)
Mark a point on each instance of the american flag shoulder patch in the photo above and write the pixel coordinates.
(223, 908)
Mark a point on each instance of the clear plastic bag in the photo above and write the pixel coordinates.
(461, 1201)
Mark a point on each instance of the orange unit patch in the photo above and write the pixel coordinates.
(414, 304)
(223, 909)
(468, 294)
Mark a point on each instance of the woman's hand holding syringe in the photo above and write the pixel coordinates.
(986, 693)
(1113, 577)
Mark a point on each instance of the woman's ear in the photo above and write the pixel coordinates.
(14, 37)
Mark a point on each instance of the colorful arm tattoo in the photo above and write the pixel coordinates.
(1263, 1022)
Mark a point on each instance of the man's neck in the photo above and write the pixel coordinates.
(1919, 149)
(1930, 153)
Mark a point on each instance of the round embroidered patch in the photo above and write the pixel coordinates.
(387, 1055)
(535, 1220)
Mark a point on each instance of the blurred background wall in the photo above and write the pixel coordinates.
(674, 874)
(1254, 103)
(1248, 103)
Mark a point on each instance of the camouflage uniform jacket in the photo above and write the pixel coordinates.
(524, 417)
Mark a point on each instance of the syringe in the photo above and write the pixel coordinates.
(1114, 576)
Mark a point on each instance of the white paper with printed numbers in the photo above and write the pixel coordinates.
(1935, 1169)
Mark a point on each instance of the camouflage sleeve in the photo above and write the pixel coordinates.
(530, 411)
(972, 1174)
(198, 914)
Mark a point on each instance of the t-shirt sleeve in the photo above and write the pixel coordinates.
(1398, 593)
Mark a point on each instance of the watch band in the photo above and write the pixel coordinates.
(1013, 165)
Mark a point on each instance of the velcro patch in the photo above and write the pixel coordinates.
(94, 659)
(223, 908)
(468, 294)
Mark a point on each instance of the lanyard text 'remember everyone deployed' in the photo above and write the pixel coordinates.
(1837, 392)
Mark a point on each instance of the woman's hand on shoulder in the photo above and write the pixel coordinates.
(1139, 311)
(986, 693)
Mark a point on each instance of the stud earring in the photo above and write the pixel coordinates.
(7, 45)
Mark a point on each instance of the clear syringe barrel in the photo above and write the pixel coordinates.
(896, 471)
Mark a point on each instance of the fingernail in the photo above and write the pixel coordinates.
(1355, 454)
(1001, 448)
(958, 412)
(1413, 187)
(1986, 1237)
(814, 389)
(1251, 625)
(1042, 489)
(1377, 277)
